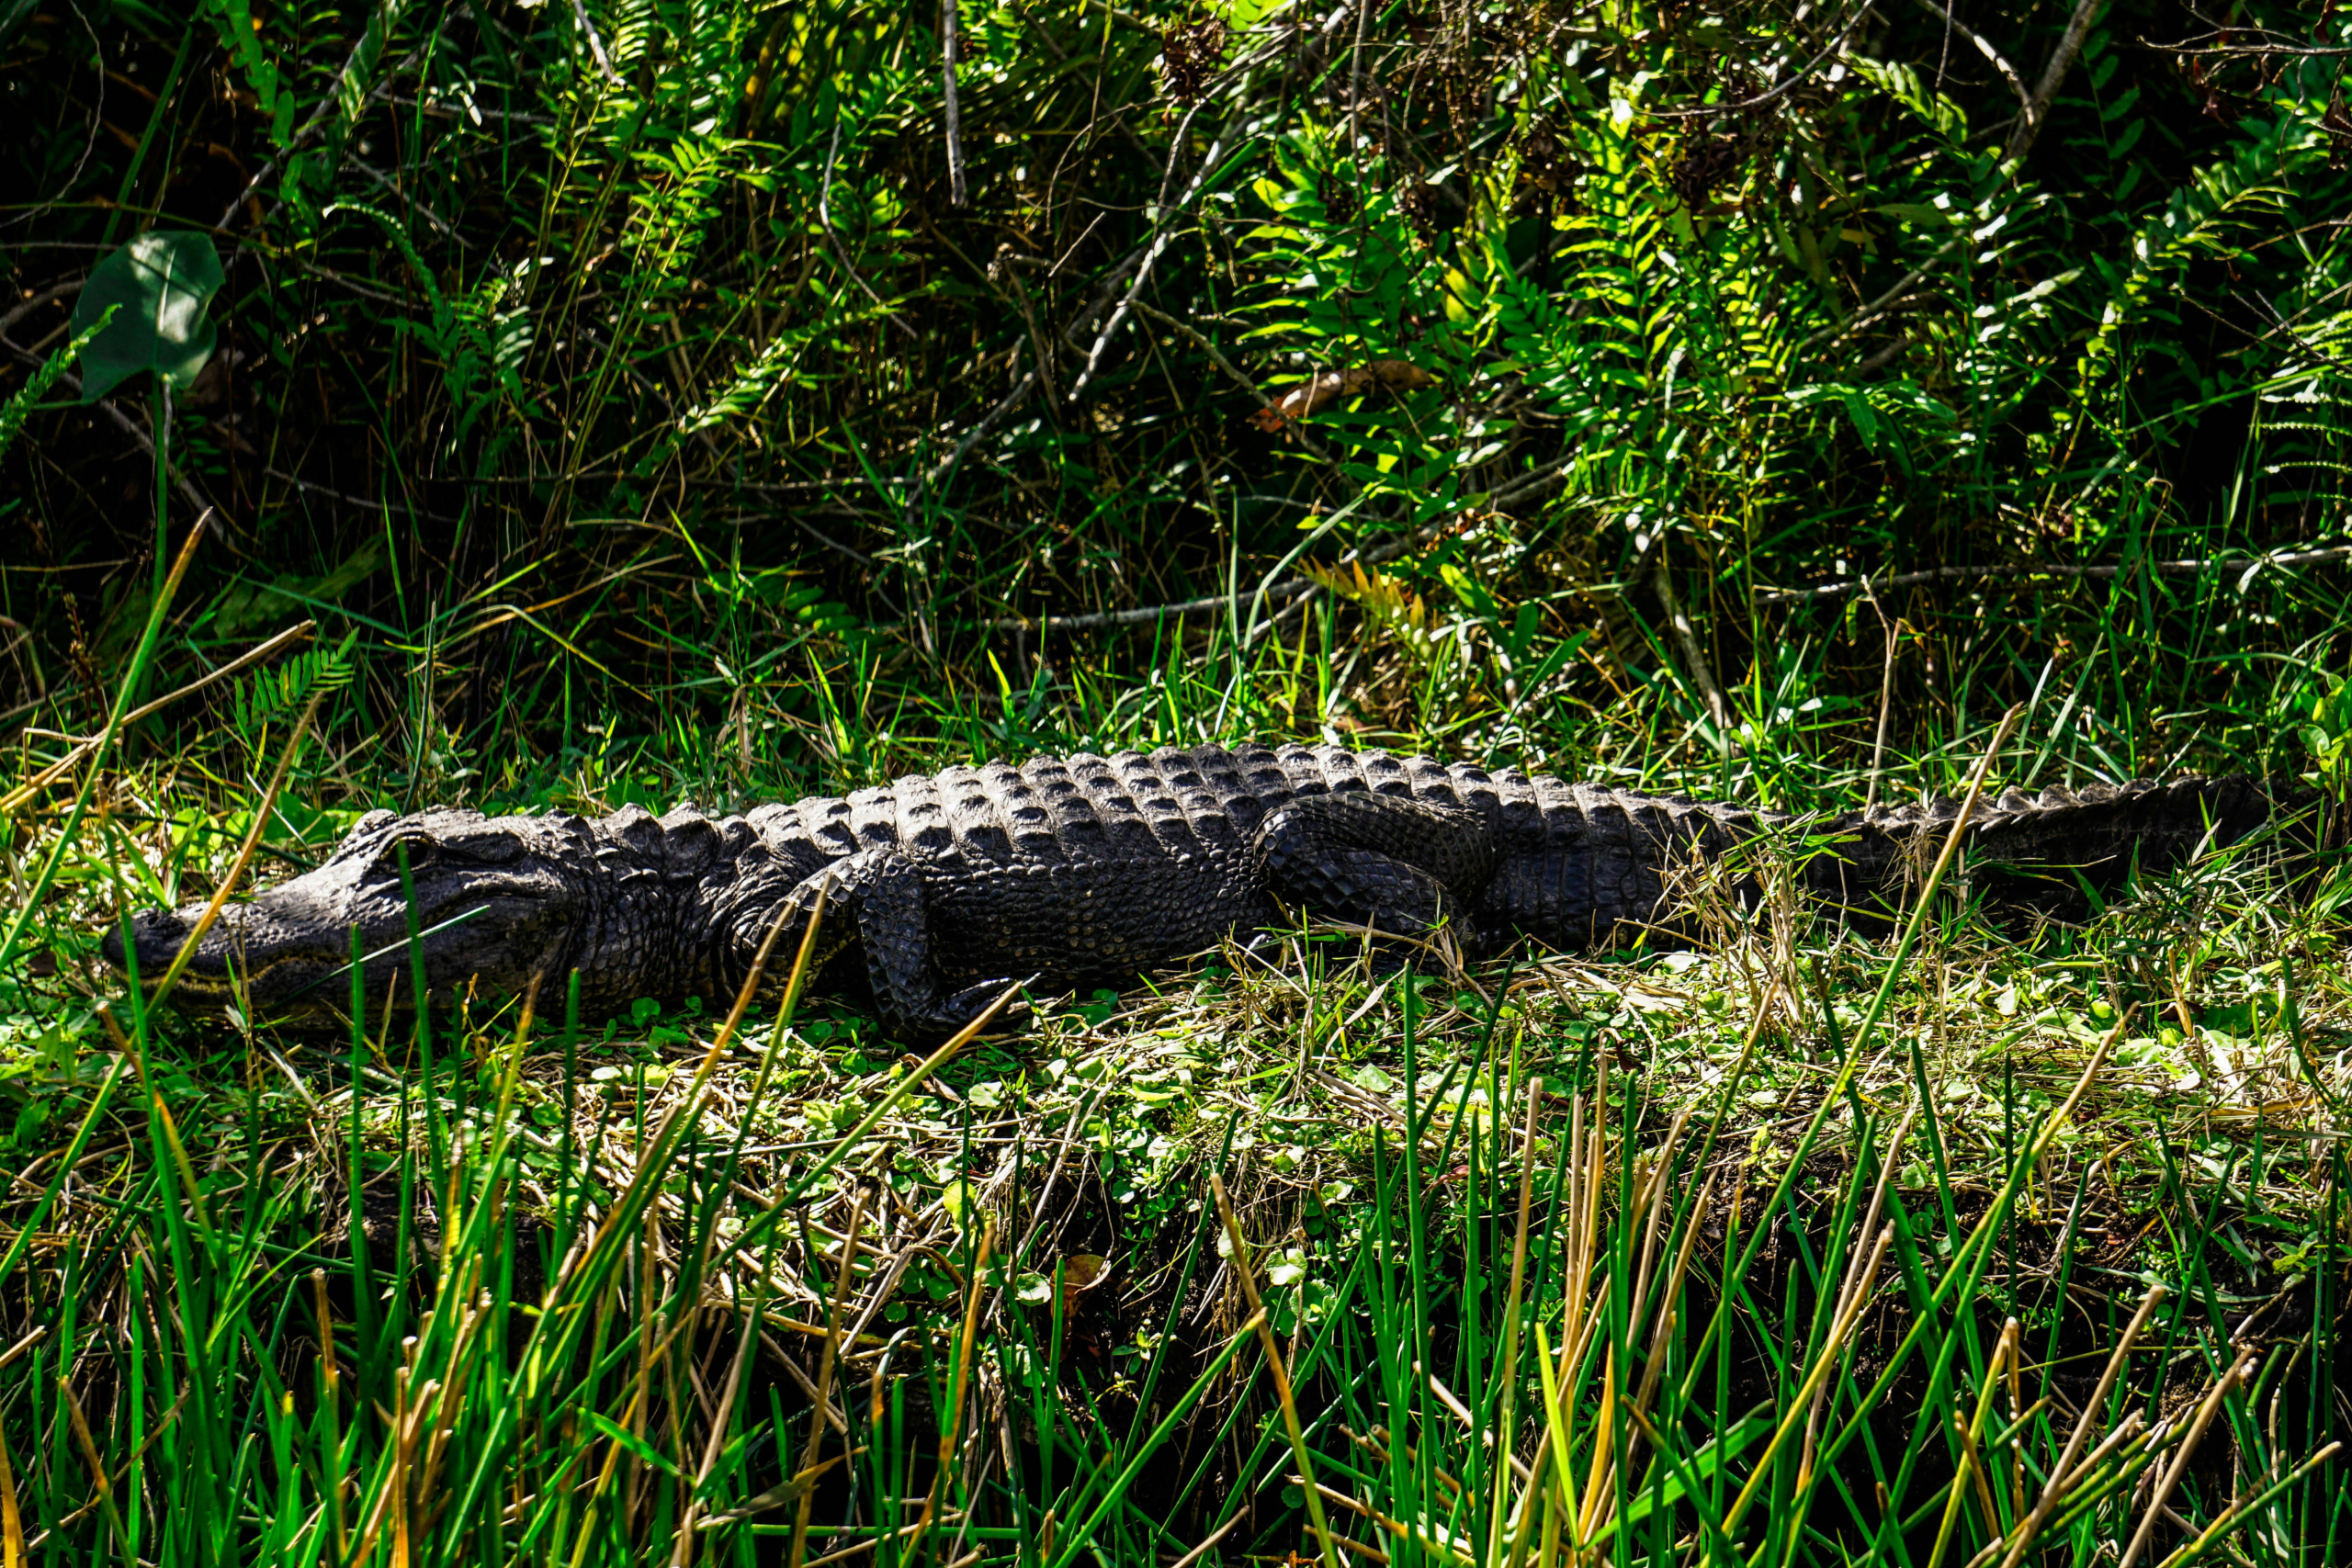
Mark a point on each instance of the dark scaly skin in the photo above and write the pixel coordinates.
(1087, 870)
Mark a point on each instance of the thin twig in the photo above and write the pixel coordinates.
(951, 1436)
(1152, 254)
(1355, 82)
(834, 238)
(97, 1466)
(319, 112)
(595, 44)
(1274, 1367)
(1779, 89)
(1686, 637)
(128, 426)
(2220, 1391)
(1217, 1535)
(1881, 358)
(32, 302)
(1884, 303)
(2062, 60)
(1144, 616)
(195, 938)
(948, 46)
(359, 502)
(1216, 357)
(81, 748)
(1966, 573)
(813, 1449)
(2061, 1472)
(1984, 47)
(1297, 588)
(1885, 701)
(1534, 481)
(2227, 51)
(1005, 407)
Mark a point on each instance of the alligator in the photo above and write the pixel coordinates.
(939, 892)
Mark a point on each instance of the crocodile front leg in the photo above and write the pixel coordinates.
(1400, 867)
(876, 899)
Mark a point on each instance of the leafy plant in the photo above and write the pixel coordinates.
(145, 308)
(22, 404)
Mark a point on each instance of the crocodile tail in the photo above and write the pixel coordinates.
(2062, 853)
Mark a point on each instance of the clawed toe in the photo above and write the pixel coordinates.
(957, 1012)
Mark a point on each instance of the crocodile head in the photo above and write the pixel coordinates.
(497, 902)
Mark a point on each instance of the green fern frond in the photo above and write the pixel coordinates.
(268, 695)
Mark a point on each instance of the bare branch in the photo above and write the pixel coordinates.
(948, 46)
(2062, 60)
(2251, 564)
(595, 44)
(1782, 89)
(1244, 382)
(1984, 47)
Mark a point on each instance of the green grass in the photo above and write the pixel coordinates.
(1745, 1261)
(619, 402)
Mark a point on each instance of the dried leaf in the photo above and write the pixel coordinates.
(1390, 602)
(1299, 401)
(1082, 1271)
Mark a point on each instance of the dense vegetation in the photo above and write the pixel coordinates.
(612, 400)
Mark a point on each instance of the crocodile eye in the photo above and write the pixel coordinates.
(418, 852)
(488, 848)
(448, 848)
(360, 840)
(422, 854)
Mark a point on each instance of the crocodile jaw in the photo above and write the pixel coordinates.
(497, 905)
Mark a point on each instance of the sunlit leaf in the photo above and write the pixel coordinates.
(161, 285)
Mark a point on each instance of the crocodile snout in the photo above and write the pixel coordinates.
(156, 936)
(267, 952)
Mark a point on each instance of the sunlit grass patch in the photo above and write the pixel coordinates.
(1719, 1271)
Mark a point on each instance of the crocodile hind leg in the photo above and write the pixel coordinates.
(1399, 866)
(876, 899)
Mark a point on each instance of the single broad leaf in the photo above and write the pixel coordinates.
(1917, 212)
(778, 1496)
(632, 1442)
(1082, 1271)
(162, 283)
(1710, 1460)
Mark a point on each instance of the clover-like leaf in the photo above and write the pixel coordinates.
(162, 283)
